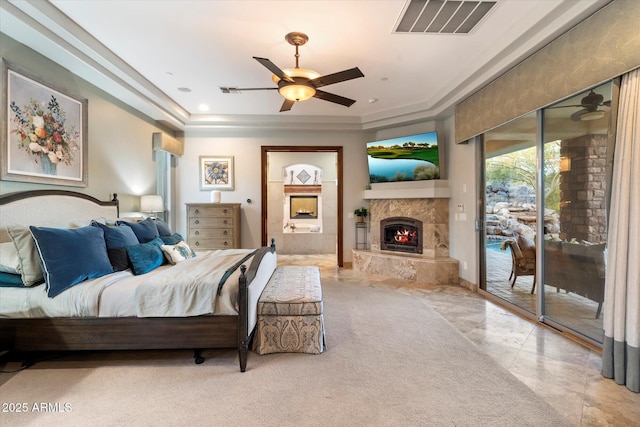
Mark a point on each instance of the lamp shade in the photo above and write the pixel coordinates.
(294, 92)
(301, 90)
(151, 203)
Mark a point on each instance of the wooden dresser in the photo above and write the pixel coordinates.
(213, 225)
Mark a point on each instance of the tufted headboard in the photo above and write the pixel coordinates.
(51, 207)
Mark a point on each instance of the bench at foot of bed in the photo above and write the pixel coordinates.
(290, 313)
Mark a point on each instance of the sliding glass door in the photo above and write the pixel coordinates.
(576, 175)
(510, 202)
(546, 189)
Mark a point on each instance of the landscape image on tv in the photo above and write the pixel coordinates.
(409, 158)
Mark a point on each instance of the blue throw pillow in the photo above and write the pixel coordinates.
(10, 280)
(117, 237)
(174, 239)
(145, 257)
(163, 228)
(145, 230)
(69, 257)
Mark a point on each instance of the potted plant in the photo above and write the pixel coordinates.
(361, 214)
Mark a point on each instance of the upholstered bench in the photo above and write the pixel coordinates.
(290, 310)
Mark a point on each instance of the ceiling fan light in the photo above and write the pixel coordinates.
(592, 115)
(297, 92)
(297, 72)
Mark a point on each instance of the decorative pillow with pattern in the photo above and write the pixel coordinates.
(178, 252)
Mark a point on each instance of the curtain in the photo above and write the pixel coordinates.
(621, 350)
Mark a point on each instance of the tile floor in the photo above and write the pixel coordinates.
(564, 373)
(568, 309)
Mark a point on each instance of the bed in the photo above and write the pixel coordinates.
(172, 306)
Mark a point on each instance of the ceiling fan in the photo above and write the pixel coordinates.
(300, 84)
(590, 110)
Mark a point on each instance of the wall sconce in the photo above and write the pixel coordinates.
(565, 164)
(151, 204)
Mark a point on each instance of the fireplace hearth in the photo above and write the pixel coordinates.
(401, 234)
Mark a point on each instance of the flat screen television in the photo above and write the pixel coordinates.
(407, 158)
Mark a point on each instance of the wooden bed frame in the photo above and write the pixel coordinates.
(132, 333)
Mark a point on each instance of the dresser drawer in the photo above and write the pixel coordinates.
(210, 222)
(210, 211)
(215, 233)
(213, 225)
(207, 243)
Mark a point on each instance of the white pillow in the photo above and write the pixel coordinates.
(9, 259)
(178, 252)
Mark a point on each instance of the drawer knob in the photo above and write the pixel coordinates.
(197, 233)
(197, 210)
(197, 243)
(226, 243)
(225, 211)
(226, 232)
(226, 222)
(197, 221)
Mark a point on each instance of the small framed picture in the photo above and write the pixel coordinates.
(216, 173)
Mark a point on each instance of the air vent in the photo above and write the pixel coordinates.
(442, 16)
(225, 89)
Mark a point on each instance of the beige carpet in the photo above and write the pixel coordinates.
(391, 361)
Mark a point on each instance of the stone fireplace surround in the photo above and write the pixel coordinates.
(433, 266)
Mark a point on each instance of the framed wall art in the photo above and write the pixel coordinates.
(44, 135)
(216, 173)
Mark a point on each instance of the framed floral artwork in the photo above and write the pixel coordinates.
(44, 135)
(216, 173)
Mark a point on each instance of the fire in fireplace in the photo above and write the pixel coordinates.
(401, 234)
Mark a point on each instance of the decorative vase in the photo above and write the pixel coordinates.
(360, 218)
(47, 166)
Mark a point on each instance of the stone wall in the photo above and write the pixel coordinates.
(583, 189)
(433, 266)
(434, 214)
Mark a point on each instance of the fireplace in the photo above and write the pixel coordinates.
(401, 234)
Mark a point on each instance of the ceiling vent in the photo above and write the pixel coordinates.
(442, 16)
(225, 89)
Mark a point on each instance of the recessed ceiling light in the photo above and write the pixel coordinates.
(372, 100)
(184, 89)
(384, 79)
(203, 107)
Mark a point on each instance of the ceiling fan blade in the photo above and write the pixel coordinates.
(326, 96)
(273, 68)
(256, 88)
(286, 105)
(338, 77)
(226, 89)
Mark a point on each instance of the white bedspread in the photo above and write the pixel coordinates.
(188, 288)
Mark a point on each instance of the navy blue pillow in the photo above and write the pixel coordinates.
(145, 257)
(174, 239)
(10, 280)
(69, 257)
(145, 230)
(117, 237)
(163, 228)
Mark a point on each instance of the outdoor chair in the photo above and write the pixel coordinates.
(523, 256)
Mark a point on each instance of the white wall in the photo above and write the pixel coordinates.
(119, 139)
(462, 172)
(245, 147)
